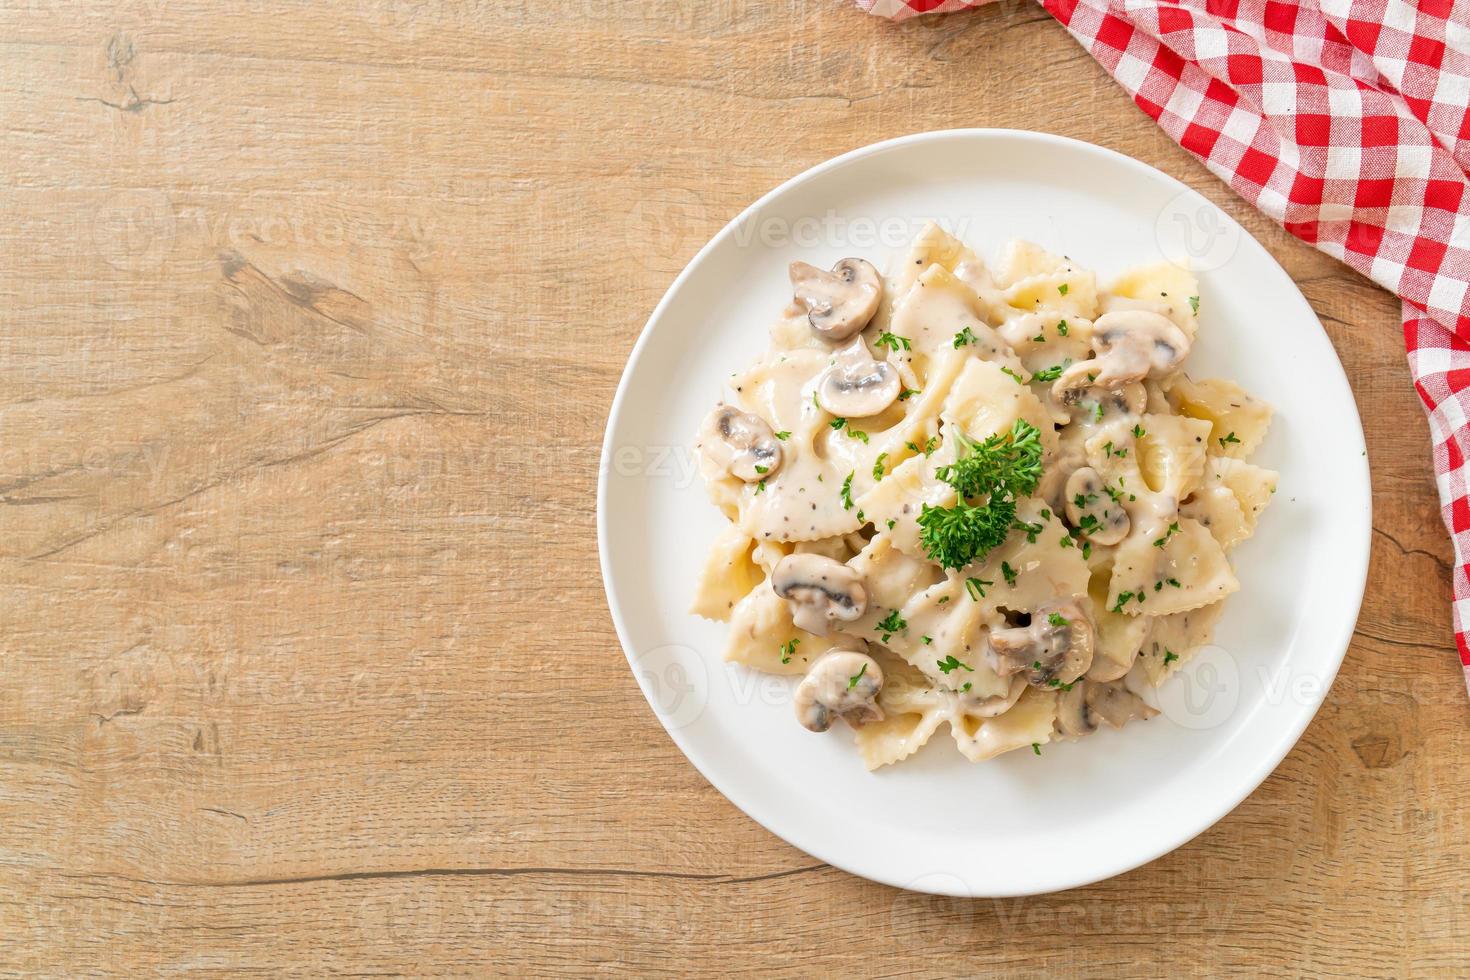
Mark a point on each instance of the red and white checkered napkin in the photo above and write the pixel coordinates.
(1347, 122)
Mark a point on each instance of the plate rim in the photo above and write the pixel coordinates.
(1268, 761)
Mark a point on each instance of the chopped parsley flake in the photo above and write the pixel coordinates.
(1057, 619)
(1014, 376)
(762, 469)
(949, 663)
(783, 435)
(852, 681)
(976, 587)
(788, 648)
(1036, 747)
(1008, 573)
(760, 486)
(1169, 656)
(894, 342)
(1225, 440)
(878, 466)
(1194, 304)
(1139, 432)
(847, 491)
(1031, 529)
(1172, 530)
(1053, 372)
(1062, 328)
(890, 624)
(1062, 289)
(928, 448)
(1122, 598)
(927, 640)
(907, 393)
(963, 338)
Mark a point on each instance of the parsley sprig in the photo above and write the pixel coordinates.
(1000, 470)
(1009, 462)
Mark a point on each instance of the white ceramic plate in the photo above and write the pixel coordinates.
(1082, 811)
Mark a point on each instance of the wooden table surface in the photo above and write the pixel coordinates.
(312, 315)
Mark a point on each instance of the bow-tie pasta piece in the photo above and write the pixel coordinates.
(933, 246)
(1173, 640)
(912, 710)
(1029, 722)
(1171, 453)
(1217, 509)
(1163, 570)
(940, 315)
(763, 636)
(1120, 637)
(1238, 420)
(736, 564)
(1252, 486)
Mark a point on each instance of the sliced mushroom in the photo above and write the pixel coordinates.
(838, 303)
(740, 443)
(971, 703)
(821, 591)
(1085, 704)
(1092, 510)
(1130, 346)
(857, 385)
(842, 683)
(1055, 649)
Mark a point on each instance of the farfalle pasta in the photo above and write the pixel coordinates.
(992, 499)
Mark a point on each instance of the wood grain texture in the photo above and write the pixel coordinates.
(275, 515)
